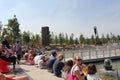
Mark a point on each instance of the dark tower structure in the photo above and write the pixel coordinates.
(45, 36)
(97, 40)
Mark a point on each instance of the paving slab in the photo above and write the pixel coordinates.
(38, 74)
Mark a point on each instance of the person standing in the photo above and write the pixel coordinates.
(18, 50)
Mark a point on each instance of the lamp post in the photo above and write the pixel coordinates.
(97, 40)
(96, 34)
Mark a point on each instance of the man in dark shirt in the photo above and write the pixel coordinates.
(5, 42)
(58, 65)
(51, 61)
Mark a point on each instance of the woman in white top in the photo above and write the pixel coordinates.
(76, 70)
(91, 73)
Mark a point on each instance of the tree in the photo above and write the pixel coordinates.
(26, 37)
(103, 39)
(92, 39)
(13, 27)
(76, 41)
(82, 39)
(37, 40)
(32, 41)
(61, 39)
(5, 31)
(56, 39)
(66, 39)
(0, 29)
(71, 39)
(87, 40)
(114, 38)
(51, 37)
(107, 38)
(118, 39)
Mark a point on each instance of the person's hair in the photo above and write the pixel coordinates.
(68, 65)
(54, 53)
(5, 35)
(60, 57)
(30, 51)
(40, 53)
(91, 69)
(75, 58)
(26, 51)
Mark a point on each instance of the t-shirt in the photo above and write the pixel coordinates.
(57, 67)
(37, 58)
(75, 68)
(18, 49)
(93, 77)
(6, 44)
(51, 62)
(40, 63)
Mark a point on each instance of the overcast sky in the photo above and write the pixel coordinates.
(67, 16)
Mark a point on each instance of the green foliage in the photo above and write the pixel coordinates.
(103, 39)
(76, 41)
(56, 40)
(13, 28)
(66, 40)
(26, 37)
(61, 38)
(71, 41)
(13, 31)
(82, 39)
(5, 31)
(87, 41)
(52, 38)
(92, 41)
(0, 27)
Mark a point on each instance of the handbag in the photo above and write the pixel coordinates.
(70, 76)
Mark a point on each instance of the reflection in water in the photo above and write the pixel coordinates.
(115, 65)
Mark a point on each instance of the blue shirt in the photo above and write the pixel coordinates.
(57, 67)
(51, 62)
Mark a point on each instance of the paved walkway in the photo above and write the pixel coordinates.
(38, 74)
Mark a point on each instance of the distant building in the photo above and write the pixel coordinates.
(45, 36)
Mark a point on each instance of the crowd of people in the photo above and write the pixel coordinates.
(69, 70)
(11, 54)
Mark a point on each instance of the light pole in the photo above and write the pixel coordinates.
(96, 34)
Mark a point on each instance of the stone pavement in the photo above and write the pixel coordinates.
(38, 74)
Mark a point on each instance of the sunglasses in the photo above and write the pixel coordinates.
(78, 59)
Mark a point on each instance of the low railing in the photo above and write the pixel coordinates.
(95, 54)
(91, 53)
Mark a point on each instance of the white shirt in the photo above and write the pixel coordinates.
(40, 63)
(93, 77)
(75, 68)
(37, 58)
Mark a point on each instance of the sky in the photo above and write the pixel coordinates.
(64, 16)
